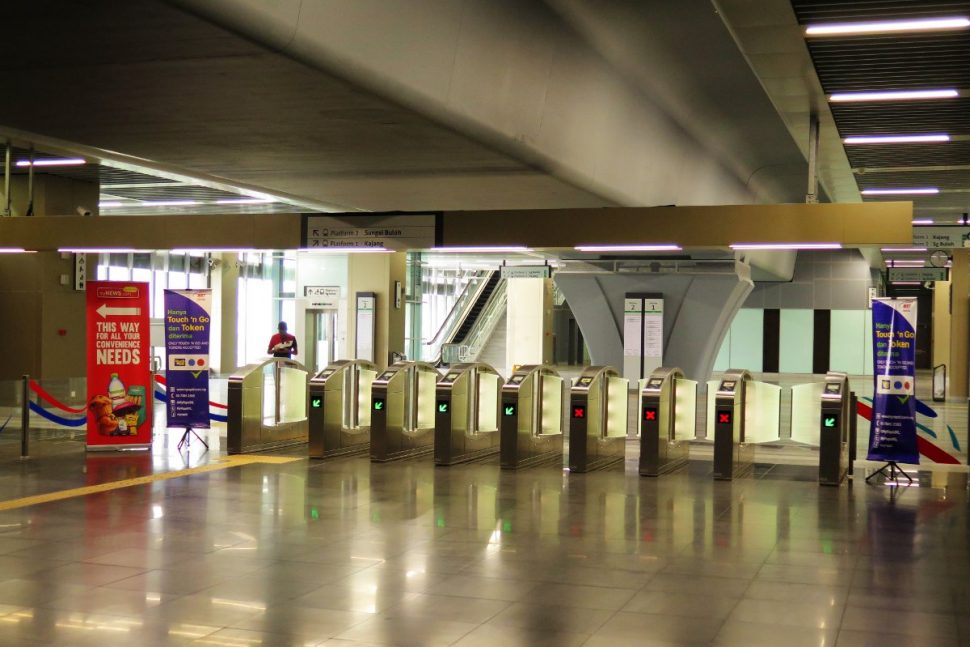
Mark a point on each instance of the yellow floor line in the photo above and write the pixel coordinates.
(226, 463)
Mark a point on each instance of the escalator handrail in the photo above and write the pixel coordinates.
(459, 305)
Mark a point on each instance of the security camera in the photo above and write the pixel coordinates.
(84, 211)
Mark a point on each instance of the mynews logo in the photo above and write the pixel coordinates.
(127, 292)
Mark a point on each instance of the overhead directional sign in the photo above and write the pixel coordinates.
(941, 237)
(921, 274)
(378, 231)
(526, 271)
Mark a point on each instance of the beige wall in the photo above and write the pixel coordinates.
(377, 273)
(941, 323)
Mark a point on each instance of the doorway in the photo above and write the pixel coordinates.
(321, 336)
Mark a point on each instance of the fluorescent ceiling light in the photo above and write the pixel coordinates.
(919, 191)
(244, 201)
(215, 250)
(481, 250)
(67, 161)
(110, 204)
(101, 250)
(923, 222)
(345, 250)
(14, 250)
(168, 203)
(628, 248)
(906, 283)
(901, 95)
(887, 26)
(897, 139)
(905, 263)
(784, 246)
(903, 249)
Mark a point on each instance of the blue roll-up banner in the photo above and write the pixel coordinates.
(187, 317)
(892, 434)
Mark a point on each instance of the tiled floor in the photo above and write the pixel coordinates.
(349, 553)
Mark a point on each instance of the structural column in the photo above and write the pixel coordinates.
(959, 322)
(380, 274)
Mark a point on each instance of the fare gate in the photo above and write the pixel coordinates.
(340, 408)
(834, 424)
(733, 455)
(466, 414)
(403, 411)
(667, 420)
(599, 407)
(532, 418)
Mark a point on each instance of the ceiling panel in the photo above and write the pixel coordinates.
(903, 61)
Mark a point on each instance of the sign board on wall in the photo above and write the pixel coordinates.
(921, 274)
(366, 338)
(642, 334)
(322, 297)
(119, 391)
(941, 237)
(376, 231)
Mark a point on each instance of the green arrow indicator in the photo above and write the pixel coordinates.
(316, 403)
(830, 421)
(378, 405)
(442, 407)
(510, 410)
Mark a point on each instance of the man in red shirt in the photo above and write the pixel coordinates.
(282, 344)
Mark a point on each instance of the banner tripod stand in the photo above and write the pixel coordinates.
(894, 471)
(187, 439)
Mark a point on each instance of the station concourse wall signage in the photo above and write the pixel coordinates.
(119, 392)
(892, 433)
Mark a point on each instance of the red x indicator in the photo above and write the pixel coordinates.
(724, 417)
(649, 414)
(579, 412)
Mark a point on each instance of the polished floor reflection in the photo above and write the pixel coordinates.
(347, 552)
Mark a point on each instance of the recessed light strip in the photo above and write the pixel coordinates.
(103, 250)
(903, 249)
(14, 250)
(68, 161)
(629, 248)
(897, 139)
(346, 250)
(923, 221)
(481, 250)
(887, 26)
(900, 95)
(914, 191)
(785, 246)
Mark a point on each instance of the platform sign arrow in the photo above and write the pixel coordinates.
(105, 311)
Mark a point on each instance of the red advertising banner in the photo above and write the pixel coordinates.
(119, 365)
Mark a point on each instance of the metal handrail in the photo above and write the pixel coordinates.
(456, 316)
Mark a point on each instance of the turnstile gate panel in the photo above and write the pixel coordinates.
(733, 455)
(340, 408)
(834, 423)
(663, 442)
(598, 419)
(267, 406)
(531, 417)
(466, 414)
(403, 411)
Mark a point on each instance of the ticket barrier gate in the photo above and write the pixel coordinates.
(532, 421)
(833, 439)
(340, 408)
(403, 411)
(667, 421)
(267, 406)
(599, 408)
(733, 455)
(466, 414)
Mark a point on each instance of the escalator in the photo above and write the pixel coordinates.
(476, 309)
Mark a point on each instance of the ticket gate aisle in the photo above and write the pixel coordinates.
(733, 455)
(403, 411)
(667, 421)
(466, 414)
(834, 422)
(532, 424)
(598, 420)
(340, 408)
